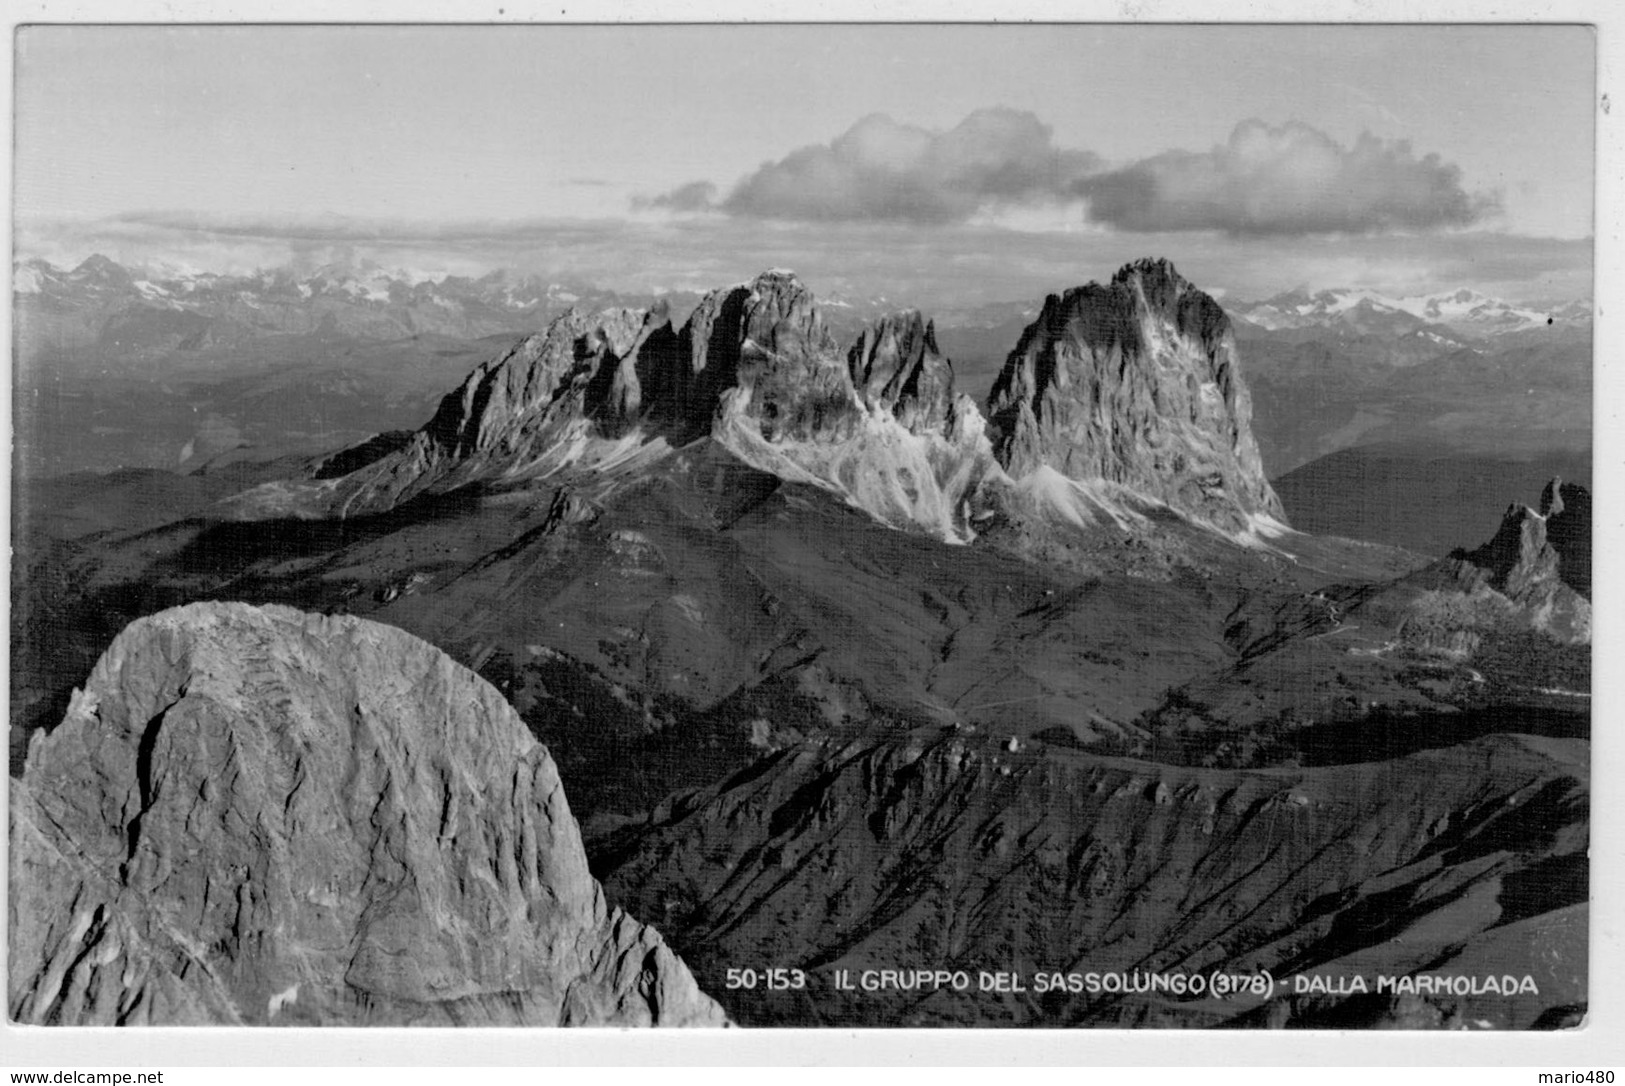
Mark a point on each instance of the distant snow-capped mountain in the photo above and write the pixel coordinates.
(96, 275)
(100, 277)
(1465, 312)
(107, 308)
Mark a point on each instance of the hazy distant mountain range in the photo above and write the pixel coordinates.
(1459, 372)
(102, 308)
(111, 308)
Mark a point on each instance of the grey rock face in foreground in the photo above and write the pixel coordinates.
(253, 815)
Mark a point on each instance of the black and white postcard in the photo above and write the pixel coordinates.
(939, 525)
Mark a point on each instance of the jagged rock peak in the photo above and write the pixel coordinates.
(1567, 509)
(611, 391)
(579, 352)
(1551, 497)
(896, 366)
(1535, 552)
(1538, 583)
(782, 314)
(1518, 557)
(1136, 383)
(791, 381)
(775, 305)
(253, 815)
(1165, 291)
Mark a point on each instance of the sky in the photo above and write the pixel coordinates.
(933, 164)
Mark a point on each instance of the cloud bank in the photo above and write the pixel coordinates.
(1290, 180)
(882, 171)
(1287, 180)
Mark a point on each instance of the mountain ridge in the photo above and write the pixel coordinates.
(880, 423)
(1136, 383)
(161, 307)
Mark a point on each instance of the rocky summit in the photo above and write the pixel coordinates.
(254, 816)
(791, 382)
(1522, 564)
(537, 404)
(1516, 583)
(896, 364)
(1137, 383)
(1566, 508)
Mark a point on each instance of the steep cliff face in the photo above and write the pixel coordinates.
(1517, 581)
(790, 381)
(1135, 383)
(879, 425)
(896, 366)
(1518, 560)
(550, 401)
(549, 375)
(1522, 565)
(1567, 509)
(255, 816)
(571, 397)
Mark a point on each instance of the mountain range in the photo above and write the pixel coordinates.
(129, 367)
(847, 667)
(1458, 317)
(101, 308)
(410, 298)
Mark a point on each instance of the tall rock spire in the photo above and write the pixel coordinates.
(1136, 383)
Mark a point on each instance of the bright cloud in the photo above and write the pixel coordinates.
(880, 170)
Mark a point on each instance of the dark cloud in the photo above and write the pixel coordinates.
(1288, 180)
(883, 171)
(694, 196)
